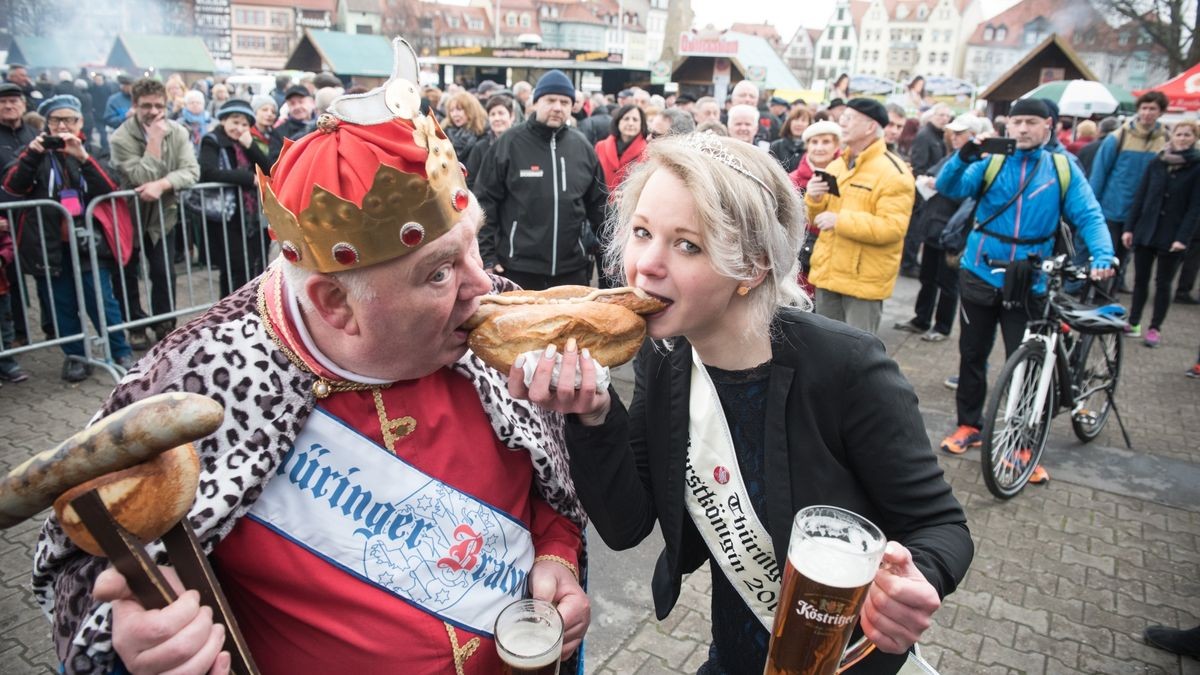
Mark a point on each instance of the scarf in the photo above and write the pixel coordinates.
(197, 124)
(241, 162)
(1174, 160)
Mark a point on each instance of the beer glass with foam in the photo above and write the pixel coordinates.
(832, 558)
(529, 635)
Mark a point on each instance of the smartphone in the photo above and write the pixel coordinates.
(830, 180)
(998, 146)
(53, 143)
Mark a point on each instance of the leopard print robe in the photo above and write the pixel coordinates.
(226, 354)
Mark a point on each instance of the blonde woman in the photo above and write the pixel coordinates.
(813, 411)
(175, 91)
(465, 124)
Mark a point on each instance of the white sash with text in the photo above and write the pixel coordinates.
(719, 504)
(368, 512)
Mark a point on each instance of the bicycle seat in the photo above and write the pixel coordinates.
(1108, 318)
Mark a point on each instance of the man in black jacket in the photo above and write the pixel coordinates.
(14, 133)
(928, 148)
(14, 136)
(543, 196)
(300, 107)
(597, 127)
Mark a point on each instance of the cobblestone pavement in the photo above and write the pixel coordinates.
(1064, 578)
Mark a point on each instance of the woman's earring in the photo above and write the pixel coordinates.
(743, 290)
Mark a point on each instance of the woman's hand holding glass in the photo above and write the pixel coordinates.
(588, 402)
(900, 604)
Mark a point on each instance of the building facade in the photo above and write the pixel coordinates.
(360, 16)
(799, 52)
(264, 32)
(900, 39)
(1122, 55)
(837, 47)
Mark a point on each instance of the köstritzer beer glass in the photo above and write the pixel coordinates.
(832, 558)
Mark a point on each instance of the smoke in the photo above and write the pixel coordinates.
(91, 28)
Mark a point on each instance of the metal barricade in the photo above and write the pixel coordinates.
(154, 270)
(22, 215)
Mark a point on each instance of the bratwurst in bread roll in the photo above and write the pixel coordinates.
(606, 322)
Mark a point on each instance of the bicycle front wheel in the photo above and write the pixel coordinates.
(1014, 433)
(1099, 367)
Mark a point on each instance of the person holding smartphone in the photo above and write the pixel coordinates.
(1017, 216)
(56, 166)
(857, 255)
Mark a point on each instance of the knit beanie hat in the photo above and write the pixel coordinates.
(1029, 106)
(262, 99)
(554, 82)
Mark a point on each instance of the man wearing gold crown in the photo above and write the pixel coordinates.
(374, 497)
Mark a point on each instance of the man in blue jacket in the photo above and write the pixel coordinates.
(1019, 213)
(1121, 162)
(119, 105)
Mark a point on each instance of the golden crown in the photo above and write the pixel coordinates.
(401, 212)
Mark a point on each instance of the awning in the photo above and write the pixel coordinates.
(546, 64)
(49, 53)
(1183, 90)
(161, 52)
(345, 54)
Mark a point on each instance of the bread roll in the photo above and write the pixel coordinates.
(611, 333)
(146, 499)
(634, 299)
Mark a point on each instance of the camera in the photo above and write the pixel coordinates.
(53, 142)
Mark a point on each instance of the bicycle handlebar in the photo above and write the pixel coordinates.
(1059, 264)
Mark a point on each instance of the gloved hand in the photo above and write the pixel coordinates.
(969, 152)
(1103, 268)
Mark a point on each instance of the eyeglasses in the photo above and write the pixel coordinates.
(61, 121)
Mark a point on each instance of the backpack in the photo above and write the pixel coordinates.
(954, 237)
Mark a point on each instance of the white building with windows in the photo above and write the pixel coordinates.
(838, 45)
(363, 17)
(656, 15)
(900, 39)
(799, 52)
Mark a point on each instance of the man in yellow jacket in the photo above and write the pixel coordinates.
(857, 255)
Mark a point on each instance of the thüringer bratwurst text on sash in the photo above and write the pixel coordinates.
(370, 513)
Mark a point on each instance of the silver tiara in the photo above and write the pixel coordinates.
(710, 144)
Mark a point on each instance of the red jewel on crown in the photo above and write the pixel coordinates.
(412, 234)
(461, 200)
(345, 254)
(463, 167)
(289, 252)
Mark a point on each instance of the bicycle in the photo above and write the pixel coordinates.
(1069, 359)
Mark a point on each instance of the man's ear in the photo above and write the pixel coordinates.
(329, 301)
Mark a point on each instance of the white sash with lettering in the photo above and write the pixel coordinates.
(371, 514)
(720, 506)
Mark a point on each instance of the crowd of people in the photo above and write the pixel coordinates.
(773, 230)
(157, 139)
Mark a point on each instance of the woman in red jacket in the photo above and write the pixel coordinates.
(624, 147)
(822, 143)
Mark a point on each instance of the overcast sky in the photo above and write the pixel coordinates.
(786, 17)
